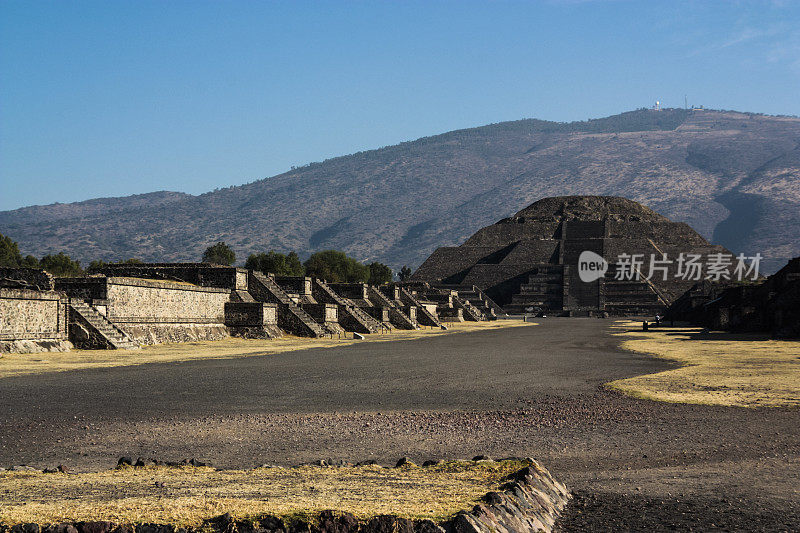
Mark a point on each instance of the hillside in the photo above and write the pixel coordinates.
(734, 177)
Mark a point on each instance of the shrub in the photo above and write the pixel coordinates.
(336, 266)
(61, 265)
(276, 263)
(219, 254)
(379, 273)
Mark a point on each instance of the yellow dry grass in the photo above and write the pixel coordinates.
(717, 368)
(186, 496)
(20, 364)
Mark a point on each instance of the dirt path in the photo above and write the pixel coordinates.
(534, 391)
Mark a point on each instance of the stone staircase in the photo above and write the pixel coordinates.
(631, 297)
(291, 317)
(544, 290)
(102, 332)
(476, 297)
(479, 299)
(397, 316)
(471, 312)
(241, 296)
(425, 317)
(351, 317)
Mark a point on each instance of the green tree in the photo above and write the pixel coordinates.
(219, 254)
(404, 273)
(257, 261)
(336, 266)
(276, 263)
(10, 256)
(379, 273)
(9, 253)
(95, 266)
(294, 266)
(30, 262)
(61, 265)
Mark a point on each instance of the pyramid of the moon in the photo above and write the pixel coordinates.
(531, 260)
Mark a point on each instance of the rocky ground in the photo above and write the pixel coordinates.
(633, 464)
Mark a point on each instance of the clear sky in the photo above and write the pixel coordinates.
(112, 98)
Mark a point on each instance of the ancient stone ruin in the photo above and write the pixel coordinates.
(129, 305)
(532, 260)
(771, 305)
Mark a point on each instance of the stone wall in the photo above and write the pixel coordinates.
(323, 313)
(32, 321)
(449, 314)
(132, 300)
(353, 291)
(91, 288)
(155, 311)
(298, 285)
(203, 274)
(381, 314)
(251, 314)
(773, 305)
(252, 319)
(26, 278)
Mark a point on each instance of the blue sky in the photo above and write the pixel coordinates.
(112, 98)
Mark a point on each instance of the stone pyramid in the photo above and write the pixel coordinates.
(530, 261)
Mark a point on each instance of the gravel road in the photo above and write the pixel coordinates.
(528, 392)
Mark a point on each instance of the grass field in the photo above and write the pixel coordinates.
(185, 496)
(20, 364)
(716, 368)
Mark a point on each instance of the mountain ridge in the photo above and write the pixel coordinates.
(396, 204)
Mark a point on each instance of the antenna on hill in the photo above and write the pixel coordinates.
(685, 101)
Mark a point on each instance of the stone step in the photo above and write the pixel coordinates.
(365, 318)
(275, 291)
(102, 326)
(302, 314)
(469, 311)
(424, 317)
(346, 307)
(264, 286)
(396, 315)
(243, 296)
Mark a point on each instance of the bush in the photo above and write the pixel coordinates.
(336, 267)
(404, 273)
(379, 273)
(30, 262)
(61, 265)
(219, 254)
(276, 263)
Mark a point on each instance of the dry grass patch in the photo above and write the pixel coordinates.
(20, 364)
(187, 496)
(717, 368)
